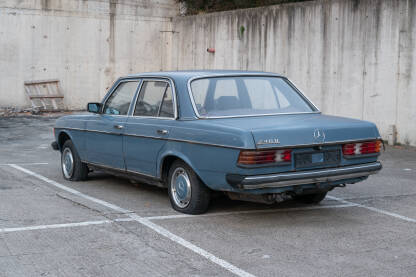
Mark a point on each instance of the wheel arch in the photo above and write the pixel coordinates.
(168, 158)
(63, 136)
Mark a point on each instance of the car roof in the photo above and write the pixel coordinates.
(187, 74)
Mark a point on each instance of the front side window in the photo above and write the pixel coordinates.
(155, 100)
(119, 102)
(246, 95)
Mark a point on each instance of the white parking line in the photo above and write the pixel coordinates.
(62, 225)
(174, 216)
(160, 230)
(405, 218)
(237, 271)
(127, 219)
(24, 164)
(73, 191)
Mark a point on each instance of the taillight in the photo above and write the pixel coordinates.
(264, 157)
(368, 147)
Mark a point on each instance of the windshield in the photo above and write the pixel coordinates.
(246, 95)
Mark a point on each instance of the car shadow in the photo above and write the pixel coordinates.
(225, 204)
(220, 202)
(124, 182)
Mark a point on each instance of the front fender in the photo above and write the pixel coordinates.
(74, 127)
(77, 138)
(59, 134)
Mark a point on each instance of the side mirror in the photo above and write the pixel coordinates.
(94, 107)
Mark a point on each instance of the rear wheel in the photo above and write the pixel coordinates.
(187, 193)
(313, 198)
(72, 167)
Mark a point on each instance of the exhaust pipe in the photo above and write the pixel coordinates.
(269, 198)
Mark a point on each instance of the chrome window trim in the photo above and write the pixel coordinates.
(301, 93)
(104, 102)
(246, 75)
(222, 145)
(161, 79)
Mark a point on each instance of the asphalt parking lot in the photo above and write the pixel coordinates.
(108, 226)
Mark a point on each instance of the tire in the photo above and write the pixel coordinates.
(313, 198)
(72, 167)
(187, 193)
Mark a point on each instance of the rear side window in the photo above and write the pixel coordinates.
(119, 101)
(155, 100)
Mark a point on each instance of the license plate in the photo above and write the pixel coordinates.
(324, 158)
(318, 158)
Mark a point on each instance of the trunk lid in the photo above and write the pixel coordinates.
(302, 129)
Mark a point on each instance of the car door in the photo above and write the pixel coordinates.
(148, 128)
(104, 141)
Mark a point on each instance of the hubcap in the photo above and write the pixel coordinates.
(67, 163)
(180, 187)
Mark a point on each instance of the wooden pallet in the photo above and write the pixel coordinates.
(45, 95)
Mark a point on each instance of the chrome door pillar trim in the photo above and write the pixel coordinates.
(161, 79)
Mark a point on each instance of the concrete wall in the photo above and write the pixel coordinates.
(352, 58)
(86, 44)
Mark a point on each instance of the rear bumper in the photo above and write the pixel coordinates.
(303, 177)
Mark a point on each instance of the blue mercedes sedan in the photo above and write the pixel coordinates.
(251, 135)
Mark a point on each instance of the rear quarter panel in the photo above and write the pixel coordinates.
(210, 150)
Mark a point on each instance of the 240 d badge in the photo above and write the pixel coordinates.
(268, 141)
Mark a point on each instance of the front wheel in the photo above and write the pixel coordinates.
(187, 193)
(73, 168)
(313, 198)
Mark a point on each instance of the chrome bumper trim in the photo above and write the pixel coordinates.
(309, 177)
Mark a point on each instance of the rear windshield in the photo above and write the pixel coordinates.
(246, 95)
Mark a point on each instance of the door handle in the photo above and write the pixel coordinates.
(118, 126)
(162, 132)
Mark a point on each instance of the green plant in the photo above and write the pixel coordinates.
(242, 29)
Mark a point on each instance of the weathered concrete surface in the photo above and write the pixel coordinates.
(352, 58)
(84, 44)
(349, 241)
